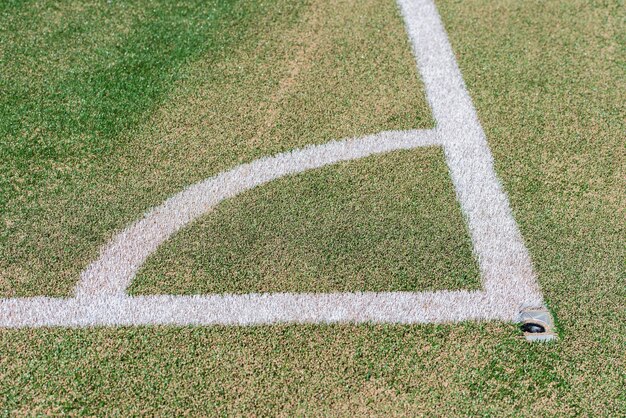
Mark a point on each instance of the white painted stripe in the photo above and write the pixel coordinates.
(120, 260)
(508, 277)
(503, 259)
(250, 309)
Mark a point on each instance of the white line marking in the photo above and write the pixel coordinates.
(503, 259)
(120, 260)
(508, 278)
(397, 307)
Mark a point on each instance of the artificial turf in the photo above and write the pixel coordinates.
(547, 81)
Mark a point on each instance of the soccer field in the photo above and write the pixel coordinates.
(378, 274)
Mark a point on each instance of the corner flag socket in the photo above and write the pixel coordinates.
(537, 324)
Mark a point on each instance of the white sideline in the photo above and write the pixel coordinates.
(509, 283)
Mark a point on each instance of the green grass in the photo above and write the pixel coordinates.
(547, 81)
(77, 78)
(250, 93)
(76, 75)
(384, 223)
(277, 370)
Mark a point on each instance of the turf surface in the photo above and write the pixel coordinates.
(383, 223)
(549, 93)
(241, 100)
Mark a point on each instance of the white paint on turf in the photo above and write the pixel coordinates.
(509, 283)
(119, 261)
